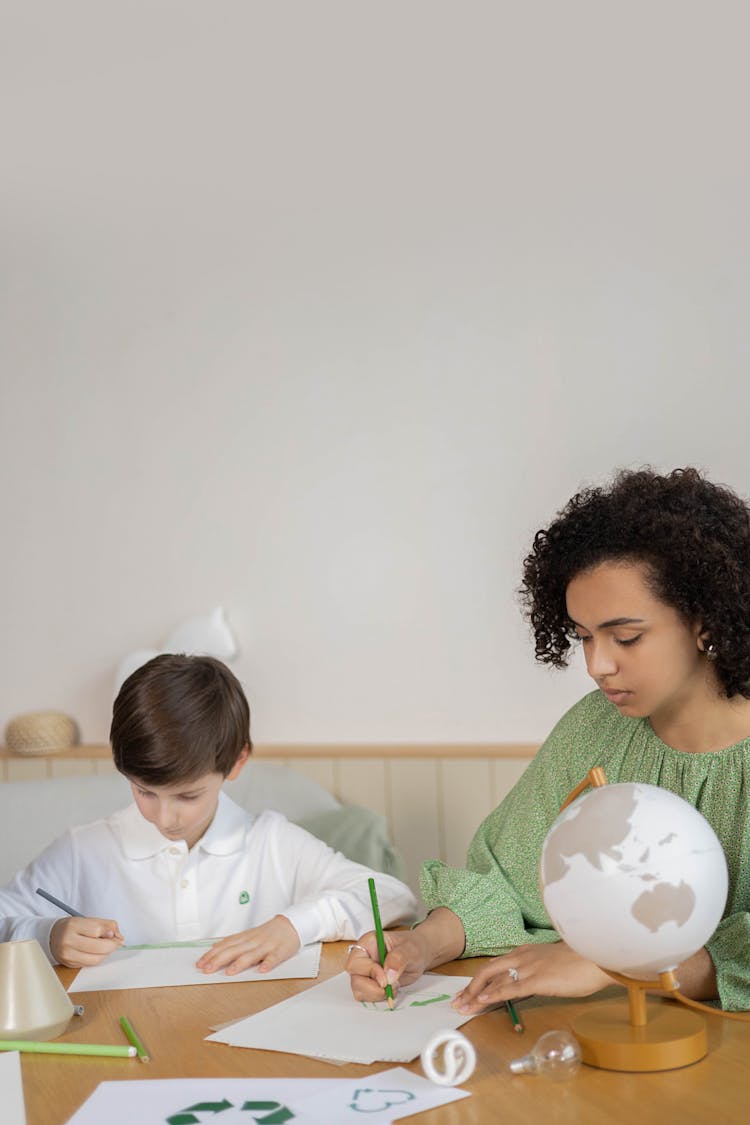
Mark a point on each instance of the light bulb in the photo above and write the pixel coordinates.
(556, 1056)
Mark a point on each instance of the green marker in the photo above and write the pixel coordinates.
(198, 943)
(103, 1049)
(382, 951)
(132, 1037)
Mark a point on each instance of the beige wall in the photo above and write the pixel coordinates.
(319, 311)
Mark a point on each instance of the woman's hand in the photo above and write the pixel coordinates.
(76, 942)
(262, 948)
(405, 961)
(409, 953)
(542, 970)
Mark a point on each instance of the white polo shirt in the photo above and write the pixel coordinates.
(244, 870)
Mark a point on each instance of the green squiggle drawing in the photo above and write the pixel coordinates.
(432, 1000)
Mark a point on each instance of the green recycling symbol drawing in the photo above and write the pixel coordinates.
(375, 1101)
(264, 1113)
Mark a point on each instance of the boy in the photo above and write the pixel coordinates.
(185, 862)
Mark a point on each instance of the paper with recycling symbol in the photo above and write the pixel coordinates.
(377, 1099)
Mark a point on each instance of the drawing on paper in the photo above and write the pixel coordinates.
(378, 1101)
(263, 1113)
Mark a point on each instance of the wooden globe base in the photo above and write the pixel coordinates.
(672, 1037)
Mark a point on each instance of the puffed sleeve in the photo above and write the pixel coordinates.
(497, 895)
(729, 952)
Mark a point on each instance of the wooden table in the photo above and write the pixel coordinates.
(173, 1023)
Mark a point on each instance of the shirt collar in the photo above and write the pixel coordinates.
(141, 840)
(226, 832)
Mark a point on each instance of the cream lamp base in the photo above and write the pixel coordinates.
(33, 1003)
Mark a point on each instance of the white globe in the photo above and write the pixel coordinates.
(633, 878)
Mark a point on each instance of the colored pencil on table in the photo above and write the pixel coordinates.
(132, 1037)
(198, 943)
(517, 1025)
(103, 1049)
(379, 935)
(57, 902)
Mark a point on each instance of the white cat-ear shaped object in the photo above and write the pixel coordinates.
(129, 664)
(208, 635)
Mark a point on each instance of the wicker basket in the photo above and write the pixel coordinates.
(41, 732)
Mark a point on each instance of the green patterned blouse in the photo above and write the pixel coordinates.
(497, 895)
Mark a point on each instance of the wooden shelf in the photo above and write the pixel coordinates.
(480, 750)
(78, 752)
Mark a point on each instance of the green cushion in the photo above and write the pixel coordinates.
(360, 834)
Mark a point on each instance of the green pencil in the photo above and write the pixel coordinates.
(68, 1048)
(132, 1037)
(379, 935)
(517, 1025)
(197, 944)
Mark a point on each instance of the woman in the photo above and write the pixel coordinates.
(652, 577)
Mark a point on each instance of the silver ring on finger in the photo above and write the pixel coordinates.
(353, 946)
(514, 975)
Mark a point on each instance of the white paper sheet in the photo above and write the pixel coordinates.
(157, 968)
(378, 1099)
(11, 1084)
(327, 1023)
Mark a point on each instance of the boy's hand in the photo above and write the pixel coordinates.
(262, 948)
(76, 942)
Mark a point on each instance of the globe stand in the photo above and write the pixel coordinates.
(659, 1036)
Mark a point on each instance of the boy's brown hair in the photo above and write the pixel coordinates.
(177, 718)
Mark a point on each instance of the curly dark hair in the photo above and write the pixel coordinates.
(693, 536)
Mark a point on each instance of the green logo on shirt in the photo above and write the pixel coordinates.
(244, 897)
